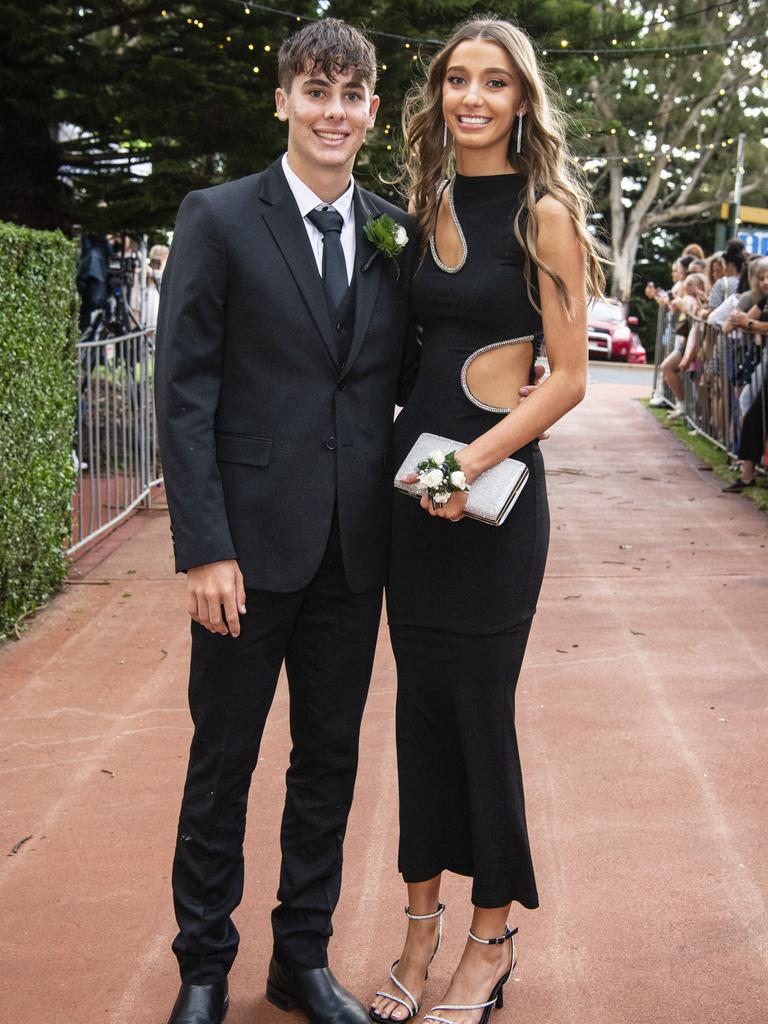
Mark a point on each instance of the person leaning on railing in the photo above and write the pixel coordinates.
(728, 283)
(722, 301)
(687, 304)
(753, 429)
(714, 268)
(673, 301)
(694, 302)
(747, 299)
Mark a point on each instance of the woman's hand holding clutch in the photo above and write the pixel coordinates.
(453, 509)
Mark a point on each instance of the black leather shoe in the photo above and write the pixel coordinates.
(201, 1004)
(316, 992)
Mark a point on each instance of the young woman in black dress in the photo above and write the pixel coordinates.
(507, 261)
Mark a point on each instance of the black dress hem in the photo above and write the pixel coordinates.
(484, 901)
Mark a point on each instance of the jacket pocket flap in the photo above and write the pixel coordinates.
(250, 451)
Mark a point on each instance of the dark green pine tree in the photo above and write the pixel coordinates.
(110, 110)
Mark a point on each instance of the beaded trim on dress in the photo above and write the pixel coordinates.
(448, 183)
(480, 352)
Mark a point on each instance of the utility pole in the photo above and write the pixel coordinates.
(734, 217)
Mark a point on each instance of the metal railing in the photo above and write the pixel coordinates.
(725, 378)
(116, 454)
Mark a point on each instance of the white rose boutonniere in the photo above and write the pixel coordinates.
(387, 237)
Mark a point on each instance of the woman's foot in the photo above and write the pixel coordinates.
(411, 970)
(480, 969)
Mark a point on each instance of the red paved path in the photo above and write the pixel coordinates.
(642, 719)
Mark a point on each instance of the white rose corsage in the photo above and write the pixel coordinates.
(441, 475)
(387, 237)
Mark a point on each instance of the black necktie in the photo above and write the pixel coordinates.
(330, 222)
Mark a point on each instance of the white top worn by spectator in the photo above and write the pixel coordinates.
(721, 289)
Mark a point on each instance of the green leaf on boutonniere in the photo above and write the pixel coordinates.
(386, 236)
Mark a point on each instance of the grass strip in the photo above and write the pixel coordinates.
(710, 454)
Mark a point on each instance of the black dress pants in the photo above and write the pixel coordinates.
(752, 441)
(326, 635)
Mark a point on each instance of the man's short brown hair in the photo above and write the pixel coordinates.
(330, 46)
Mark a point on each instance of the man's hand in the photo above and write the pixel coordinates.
(211, 586)
(528, 389)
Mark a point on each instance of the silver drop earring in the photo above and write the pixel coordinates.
(519, 131)
(445, 134)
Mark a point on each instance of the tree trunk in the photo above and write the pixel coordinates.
(624, 255)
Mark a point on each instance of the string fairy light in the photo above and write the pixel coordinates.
(565, 48)
(643, 157)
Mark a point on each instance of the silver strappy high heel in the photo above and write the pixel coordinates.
(407, 998)
(497, 995)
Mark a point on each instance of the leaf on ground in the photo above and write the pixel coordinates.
(126, 593)
(164, 653)
(637, 632)
(571, 597)
(108, 771)
(17, 846)
(560, 650)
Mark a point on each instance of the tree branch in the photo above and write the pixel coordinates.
(665, 216)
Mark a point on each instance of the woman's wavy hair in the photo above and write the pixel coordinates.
(544, 156)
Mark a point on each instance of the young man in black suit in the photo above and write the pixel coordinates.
(281, 344)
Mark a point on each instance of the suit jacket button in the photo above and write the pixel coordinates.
(340, 327)
(343, 385)
(330, 444)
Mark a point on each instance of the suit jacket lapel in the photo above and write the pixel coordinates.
(286, 226)
(367, 282)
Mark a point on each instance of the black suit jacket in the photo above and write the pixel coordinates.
(261, 430)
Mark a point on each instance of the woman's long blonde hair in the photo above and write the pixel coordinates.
(544, 157)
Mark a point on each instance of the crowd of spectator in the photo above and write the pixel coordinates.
(728, 290)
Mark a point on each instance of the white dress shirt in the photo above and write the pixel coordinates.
(306, 200)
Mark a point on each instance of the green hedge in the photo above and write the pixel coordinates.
(38, 395)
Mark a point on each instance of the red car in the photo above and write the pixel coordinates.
(611, 334)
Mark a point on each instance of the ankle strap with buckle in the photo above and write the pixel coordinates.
(498, 941)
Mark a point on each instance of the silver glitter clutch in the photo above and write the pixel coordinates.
(491, 496)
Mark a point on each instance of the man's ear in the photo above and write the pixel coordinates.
(280, 104)
(375, 101)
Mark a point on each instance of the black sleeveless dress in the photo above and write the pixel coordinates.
(461, 596)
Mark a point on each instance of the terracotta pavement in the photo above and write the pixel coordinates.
(642, 724)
